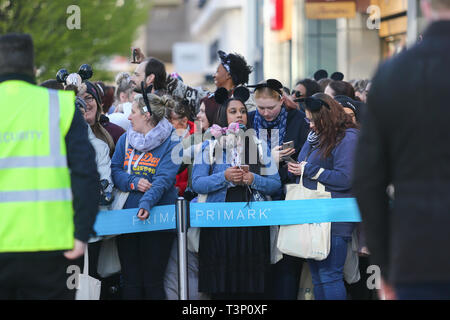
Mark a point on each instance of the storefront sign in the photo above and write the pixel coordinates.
(331, 9)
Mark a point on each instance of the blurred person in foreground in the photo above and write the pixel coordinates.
(405, 143)
(48, 180)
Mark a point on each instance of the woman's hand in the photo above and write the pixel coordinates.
(234, 175)
(143, 185)
(278, 153)
(247, 177)
(296, 168)
(140, 57)
(143, 214)
(289, 102)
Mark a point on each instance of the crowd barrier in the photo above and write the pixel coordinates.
(185, 214)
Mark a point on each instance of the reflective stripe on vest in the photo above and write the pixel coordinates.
(36, 195)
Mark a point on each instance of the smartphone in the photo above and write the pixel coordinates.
(287, 145)
(134, 55)
(289, 159)
(245, 167)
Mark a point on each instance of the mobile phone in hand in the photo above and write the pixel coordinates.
(245, 167)
(134, 55)
(287, 145)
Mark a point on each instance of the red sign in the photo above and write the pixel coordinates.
(276, 14)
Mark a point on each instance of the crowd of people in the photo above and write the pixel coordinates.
(255, 140)
(142, 118)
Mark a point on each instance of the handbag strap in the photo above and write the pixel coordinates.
(320, 186)
(86, 261)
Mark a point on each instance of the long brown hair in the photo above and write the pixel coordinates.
(330, 123)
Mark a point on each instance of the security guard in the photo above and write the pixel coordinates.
(49, 189)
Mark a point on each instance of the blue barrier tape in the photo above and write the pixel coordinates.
(126, 221)
(231, 214)
(268, 213)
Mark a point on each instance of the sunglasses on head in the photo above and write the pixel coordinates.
(296, 93)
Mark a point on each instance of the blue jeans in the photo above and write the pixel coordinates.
(423, 291)
(328, 275)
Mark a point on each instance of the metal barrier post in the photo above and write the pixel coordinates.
(182, 216)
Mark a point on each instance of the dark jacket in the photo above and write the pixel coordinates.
(336, 175)
(297, 130)
(405, 141)
(113, 129)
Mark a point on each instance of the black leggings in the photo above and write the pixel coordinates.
(143, 257)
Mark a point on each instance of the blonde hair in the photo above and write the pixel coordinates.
(158, 105)
(266, 92)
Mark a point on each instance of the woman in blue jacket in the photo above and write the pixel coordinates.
(142, 166)
(233, 262)
(328, 158)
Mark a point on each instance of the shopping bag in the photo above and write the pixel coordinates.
(351, 266)
(308, 240)
(88, 287)
(306, 287)
(108, 258)
(193, 234)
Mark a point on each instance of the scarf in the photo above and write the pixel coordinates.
(313, 138)
(153, 139)
(279, 123)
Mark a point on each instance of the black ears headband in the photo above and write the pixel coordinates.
(337, 76)
(273, 84)
(240, 93)
(313, 104)
(145, 91)
(85, 72)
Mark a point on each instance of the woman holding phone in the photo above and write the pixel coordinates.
(233, 262)
(279, 125)
(328, 158)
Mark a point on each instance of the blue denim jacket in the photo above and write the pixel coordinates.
(207, 179)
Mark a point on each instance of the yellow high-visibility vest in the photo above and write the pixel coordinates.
(36, 212)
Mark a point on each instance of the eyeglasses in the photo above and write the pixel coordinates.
(88, 99)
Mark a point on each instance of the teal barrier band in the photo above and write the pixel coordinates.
(267, 213)
(231, 214)
(126, 221)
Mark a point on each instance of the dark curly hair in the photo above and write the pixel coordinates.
(311, 86)
(239, 69)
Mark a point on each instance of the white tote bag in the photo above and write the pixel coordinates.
(108, 258)
(88, 287)
(120, 197)
(309, 240)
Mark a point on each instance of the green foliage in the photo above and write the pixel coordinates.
(107, 28)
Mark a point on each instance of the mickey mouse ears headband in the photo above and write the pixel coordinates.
(84, 73)
(273, 84)
(240, 93)
(313, 104)
(322, 74)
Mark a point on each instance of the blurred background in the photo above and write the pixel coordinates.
(283, 39)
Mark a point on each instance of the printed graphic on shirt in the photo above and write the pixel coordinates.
(146, 165)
